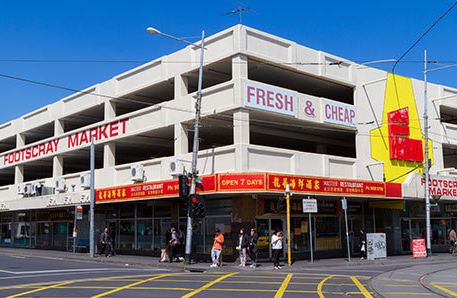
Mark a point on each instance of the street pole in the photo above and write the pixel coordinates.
(310, 238)
(92, 201)
(344, 204)
(427, 163)
(195, 149)
(289, 257)
(75, 224)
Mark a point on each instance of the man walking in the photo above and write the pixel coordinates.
(106, 243)
(252, 248)
(217, 248)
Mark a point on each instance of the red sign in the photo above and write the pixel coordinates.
(442, 187)
(168, 188)
(319, 185)
(241, 182)
(254, 182)
(419, 250)
(402, 147)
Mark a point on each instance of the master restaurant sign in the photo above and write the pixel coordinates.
(253, 182)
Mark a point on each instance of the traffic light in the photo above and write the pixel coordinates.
(183, 186)
(197, 206)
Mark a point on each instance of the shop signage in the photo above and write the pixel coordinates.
(241, 182)
(339, 113)
(309, 205)
(79, 212)
(254, 182)
(376, 246)
(441, 186)
(71, 141)
(303, 184)
(269, 98)
(168, 188)
(419, 250)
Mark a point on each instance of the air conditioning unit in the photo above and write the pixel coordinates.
(36, 189)
(59, 184)
(85, 180)
(176, 168)
(21, 189)
(28, 189)
(137, 173)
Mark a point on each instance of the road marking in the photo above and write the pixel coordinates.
(40, 289)
(206, 286)
(445, 290)
(408, 293)
(283, 287)
(321, 284)
(57, 271)
(362, 289)
(118, 289)
(399, 285)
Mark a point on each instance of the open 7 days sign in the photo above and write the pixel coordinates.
(71, 141)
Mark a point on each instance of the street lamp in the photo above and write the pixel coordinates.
(194, 172)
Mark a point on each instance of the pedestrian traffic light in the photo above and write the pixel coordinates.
(197, 206)
(183, 186)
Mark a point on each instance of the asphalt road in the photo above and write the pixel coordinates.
(47, 276)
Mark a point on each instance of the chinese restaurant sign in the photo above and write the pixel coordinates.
(254, 182)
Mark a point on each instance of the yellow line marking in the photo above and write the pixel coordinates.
(445, 290)
(282, 289)
(118, 289)
(362, 289)
(206, 286)
(445, 283)
(240, 290)
(40, 289)
(321, 284)
(408, 293)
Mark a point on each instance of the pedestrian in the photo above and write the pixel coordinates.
(174, 245)
(106, 242)
(452, 240)
(243, 243)
(252, 248)
(363, 245)
(180, 249)
(276, 247)
(217, 248)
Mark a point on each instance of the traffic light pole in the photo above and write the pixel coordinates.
(194, 173)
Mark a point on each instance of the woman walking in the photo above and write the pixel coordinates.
(276, 247)
(242, 246)
(252, 248)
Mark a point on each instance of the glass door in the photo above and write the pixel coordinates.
(406, 237)
(265, 229)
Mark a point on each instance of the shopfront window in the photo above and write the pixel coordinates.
(224, 224)
(161, 226)
(43, 235)
(327, 233)
(439, 231)
(59, 235)
(22, 234)
(126, 234)
(145, 233)
(5, 234)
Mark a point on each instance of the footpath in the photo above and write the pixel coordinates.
(153, 262)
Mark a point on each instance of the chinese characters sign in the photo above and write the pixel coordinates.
(253, 182)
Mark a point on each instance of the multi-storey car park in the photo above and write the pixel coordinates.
(273, 112)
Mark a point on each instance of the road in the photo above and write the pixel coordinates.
(23, 275)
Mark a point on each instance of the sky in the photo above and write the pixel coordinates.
(115, 30)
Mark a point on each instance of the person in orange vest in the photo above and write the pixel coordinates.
(217, 248)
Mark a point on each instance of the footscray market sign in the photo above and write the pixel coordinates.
(254, 182)
(67, 142)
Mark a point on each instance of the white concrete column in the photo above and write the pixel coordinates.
(58, 127)
(109, 149)
(109, 155)
(18, 174)
(57, 166)
(240, 67)
(181, 84)
(181, 139)
(19, 170)
(241, 127)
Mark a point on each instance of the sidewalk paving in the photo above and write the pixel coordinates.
(153, 262)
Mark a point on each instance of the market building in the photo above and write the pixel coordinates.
(273, 113)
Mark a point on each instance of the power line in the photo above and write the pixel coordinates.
(423, 35)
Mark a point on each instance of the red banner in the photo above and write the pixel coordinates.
(168, 188)
(318, 185)
(254, 182)
(241, 182)
(419, 250)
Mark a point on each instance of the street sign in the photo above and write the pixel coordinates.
(309, 206)
(79, 212)
(419, 250)
(344, 203)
